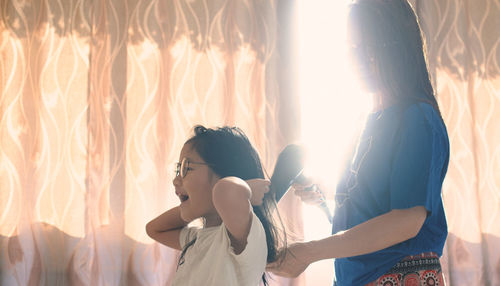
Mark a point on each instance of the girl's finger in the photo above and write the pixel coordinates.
(266, 188)
(271, 266)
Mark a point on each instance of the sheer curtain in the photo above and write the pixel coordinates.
(464, 54)
(97, 98)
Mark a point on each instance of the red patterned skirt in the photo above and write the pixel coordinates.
(418, 270)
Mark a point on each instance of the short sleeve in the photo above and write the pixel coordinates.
(256, 242)
(410, 183)
(187, 234)
(252, 260)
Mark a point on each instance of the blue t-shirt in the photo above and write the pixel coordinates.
(399, 162)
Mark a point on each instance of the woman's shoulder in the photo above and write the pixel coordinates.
(418, 109)
(422, 112)
(423, 118)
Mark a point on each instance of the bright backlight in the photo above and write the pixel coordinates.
(331, 105)
(332, 109)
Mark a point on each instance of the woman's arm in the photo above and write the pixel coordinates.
(375, 234)
(166, 228)
(231, 198)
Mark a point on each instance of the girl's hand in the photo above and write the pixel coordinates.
(259, 188)
(291, 261)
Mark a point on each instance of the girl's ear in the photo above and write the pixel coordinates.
(214, 178)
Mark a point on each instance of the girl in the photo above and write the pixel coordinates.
(237, 238)
(389, 226)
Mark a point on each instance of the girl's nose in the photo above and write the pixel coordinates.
(177, 181)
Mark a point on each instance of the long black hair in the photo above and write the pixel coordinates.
(393, 39)
(228, 152)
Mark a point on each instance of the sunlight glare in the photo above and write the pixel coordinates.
(332, 110)
(331, 105)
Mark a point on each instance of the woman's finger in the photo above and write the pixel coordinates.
(309, 197)
(307, 194)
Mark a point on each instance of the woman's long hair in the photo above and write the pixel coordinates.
(393, 40)
(229, 153)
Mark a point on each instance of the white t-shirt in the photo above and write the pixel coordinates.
(212, 261)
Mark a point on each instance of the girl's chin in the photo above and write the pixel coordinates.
(187, 218)
(185, 215)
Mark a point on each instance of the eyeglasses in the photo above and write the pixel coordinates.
(182, 168)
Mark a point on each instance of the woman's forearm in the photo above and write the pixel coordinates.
(378, 233)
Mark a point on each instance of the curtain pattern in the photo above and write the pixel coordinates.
(97, 98)
(463, 40)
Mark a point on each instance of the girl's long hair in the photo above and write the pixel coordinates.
(393, 40)
(229, 153)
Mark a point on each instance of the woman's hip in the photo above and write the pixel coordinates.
(421, 269)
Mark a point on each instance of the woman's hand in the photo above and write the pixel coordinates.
(309, 194)
(259, 188)
(291, 261)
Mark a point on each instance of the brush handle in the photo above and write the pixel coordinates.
(323, 205)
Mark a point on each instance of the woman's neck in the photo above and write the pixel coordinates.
(381, 102)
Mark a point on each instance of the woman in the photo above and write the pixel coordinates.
(389, 226)
(219, 178)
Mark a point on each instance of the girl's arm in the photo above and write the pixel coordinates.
(375, 234)
(166, 228)
(231, 198)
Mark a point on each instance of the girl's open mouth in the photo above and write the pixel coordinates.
(183, 198)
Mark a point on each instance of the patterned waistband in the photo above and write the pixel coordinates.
(422, 269)
(428, 260)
